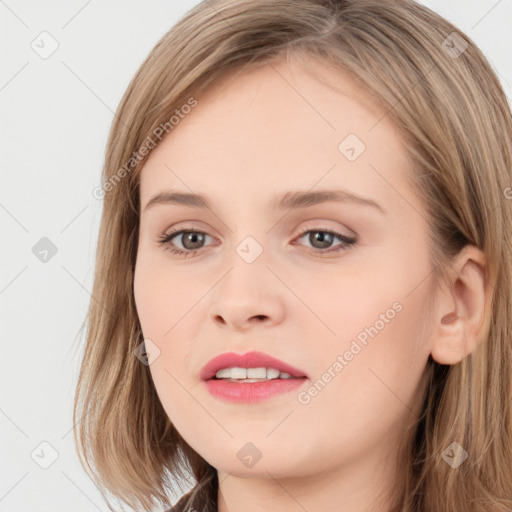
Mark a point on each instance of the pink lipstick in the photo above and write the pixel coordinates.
(250, 377)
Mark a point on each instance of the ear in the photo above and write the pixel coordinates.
(462, 308)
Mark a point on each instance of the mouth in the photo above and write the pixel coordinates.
(250, 377)
(251, 366)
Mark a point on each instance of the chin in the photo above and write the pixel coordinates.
(251, 459)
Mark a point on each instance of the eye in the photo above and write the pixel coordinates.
(321, 239)
(192, 240)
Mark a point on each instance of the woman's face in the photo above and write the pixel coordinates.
(349, 316)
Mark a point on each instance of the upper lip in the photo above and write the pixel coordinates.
(247, 360)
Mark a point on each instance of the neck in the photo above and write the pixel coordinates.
(359, 487)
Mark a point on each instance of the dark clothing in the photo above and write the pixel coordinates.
(180, 505)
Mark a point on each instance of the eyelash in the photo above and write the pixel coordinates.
(166, 239)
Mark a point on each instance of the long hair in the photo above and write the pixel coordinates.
(441, 93)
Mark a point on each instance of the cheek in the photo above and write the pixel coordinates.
(379, 348)
(166, 303)
(162, 296)
(375, 386)
(378, 314)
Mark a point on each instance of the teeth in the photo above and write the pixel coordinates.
(272, 373)
(238, 373)
(225, 373)
(255, 373)
(251, 373)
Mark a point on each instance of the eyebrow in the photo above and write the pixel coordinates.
(293, 199)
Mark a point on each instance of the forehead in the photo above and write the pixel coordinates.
(288, 124)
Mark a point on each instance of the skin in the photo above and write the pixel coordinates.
(273, 129)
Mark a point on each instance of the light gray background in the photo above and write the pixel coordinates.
(55, 114)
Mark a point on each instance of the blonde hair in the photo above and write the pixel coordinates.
(456, 125)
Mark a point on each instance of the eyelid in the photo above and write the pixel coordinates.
(310, 226)
(319, 225)
(174, 233)
(346, 241)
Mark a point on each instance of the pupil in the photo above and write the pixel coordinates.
(193, 237)
(321, 237)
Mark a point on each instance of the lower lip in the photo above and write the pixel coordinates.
(251, 392)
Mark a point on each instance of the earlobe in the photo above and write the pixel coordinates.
(462, 308)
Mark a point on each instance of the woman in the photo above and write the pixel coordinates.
(303, 277)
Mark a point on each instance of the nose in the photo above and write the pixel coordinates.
(249, 294)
